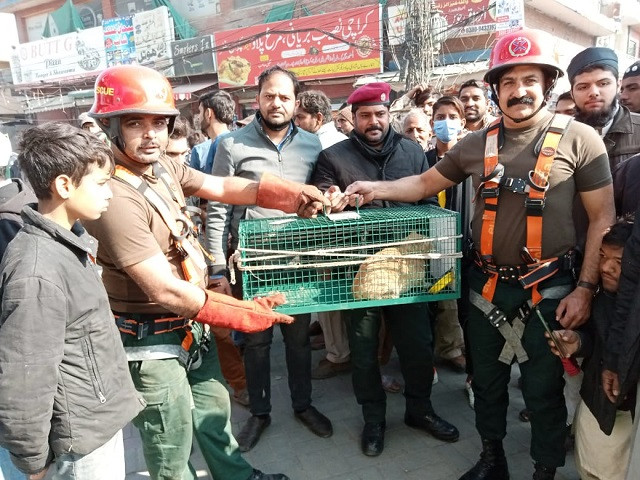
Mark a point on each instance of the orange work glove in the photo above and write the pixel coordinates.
(246, 316)
(290, 197)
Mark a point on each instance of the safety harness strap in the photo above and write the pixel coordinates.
(537, 183)
(490, 194)
(179, 225)
(512, 329)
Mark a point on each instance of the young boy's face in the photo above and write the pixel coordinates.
(610, 266)
(91, 197)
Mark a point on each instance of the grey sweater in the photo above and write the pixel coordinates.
(248, 153)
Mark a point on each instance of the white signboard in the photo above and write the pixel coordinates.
(74, 54)
(397, 24)
(153, 31)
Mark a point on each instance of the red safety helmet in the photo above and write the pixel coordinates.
(523, 47)
(126, 89)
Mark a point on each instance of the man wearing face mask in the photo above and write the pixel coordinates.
(374, 151)
(447, 123)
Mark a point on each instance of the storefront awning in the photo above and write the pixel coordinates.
(55, 102)
(183, 92)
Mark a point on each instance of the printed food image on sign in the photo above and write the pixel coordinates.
(234, 70)
(364, 46)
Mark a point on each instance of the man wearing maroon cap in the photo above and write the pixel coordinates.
(376, 152)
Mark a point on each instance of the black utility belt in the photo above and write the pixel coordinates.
(144, 325)
(527, 274)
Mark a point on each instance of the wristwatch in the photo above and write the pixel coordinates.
(588, 285)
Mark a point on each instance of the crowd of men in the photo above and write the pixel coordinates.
(117, 305)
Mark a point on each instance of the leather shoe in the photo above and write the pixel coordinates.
(316, 422)
(372, 440)
(434, 425)
(327, 369)
(258, 475)
(250, 433)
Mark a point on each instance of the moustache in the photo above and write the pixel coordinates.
(521, 100)
(371, 129)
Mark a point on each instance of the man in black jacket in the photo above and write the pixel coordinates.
(593, 74)
(375, 152)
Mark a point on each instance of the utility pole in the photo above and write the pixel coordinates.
(424, 34)
(419, 42)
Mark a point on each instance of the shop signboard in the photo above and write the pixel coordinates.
(337, 44)
(119, 42)
(75, 54)
(193, 56)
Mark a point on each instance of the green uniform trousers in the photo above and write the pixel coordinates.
(411, 333)
(179, 405)
(542, 381)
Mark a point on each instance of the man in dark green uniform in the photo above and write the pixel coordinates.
(533, 165)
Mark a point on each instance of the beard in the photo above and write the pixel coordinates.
(599, 118)
(473, 115)
(276, 127)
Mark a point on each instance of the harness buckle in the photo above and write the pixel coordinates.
(515, 185)
(142, 330)
(534, 205)
(495, 176)
(534, 185)
(524, 311)
(496, 317)
(489, 192)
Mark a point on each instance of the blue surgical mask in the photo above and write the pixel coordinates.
(447, 130)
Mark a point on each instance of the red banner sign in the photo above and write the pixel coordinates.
(337, 44)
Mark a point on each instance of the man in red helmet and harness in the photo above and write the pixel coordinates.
(533, 165)
(154, 273)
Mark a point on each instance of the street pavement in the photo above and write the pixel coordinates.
(288, 447)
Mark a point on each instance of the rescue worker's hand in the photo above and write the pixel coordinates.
(290, 197)
(569, 341)
(221, 310)
(219, 284)
(610, 385)
(575, 308)
(360, 192)
(338, 199)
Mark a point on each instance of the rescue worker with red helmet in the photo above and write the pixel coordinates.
(154, 272)
(533, 166)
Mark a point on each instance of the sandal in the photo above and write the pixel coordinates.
(390, 384)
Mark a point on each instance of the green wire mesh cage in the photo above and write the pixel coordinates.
(349, 260)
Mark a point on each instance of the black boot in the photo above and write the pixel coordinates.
(492, 464)
(544, 473)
